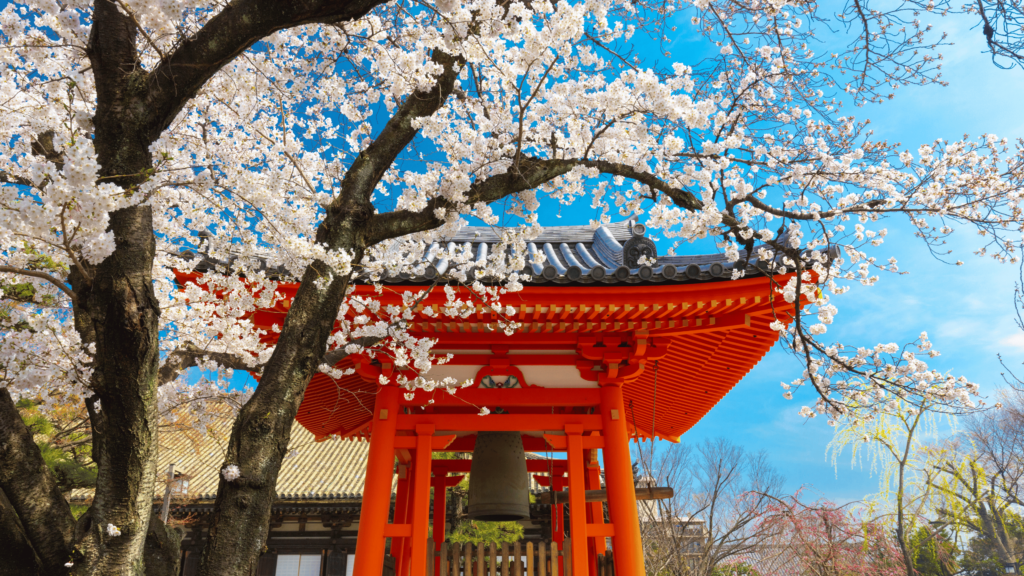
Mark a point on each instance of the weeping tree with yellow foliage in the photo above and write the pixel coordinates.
(894, 443)
(975, 478)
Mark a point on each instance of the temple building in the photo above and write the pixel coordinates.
(615, 344)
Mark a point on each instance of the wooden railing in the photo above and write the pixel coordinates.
(606, 564)
(506, 559)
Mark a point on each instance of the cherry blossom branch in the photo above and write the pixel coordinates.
(532, 173)
(188, 356)
(181, 74)
(44, 276)
(8, 178)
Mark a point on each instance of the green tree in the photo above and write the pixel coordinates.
(975, 477)
(64, 440)
(895, 441)
(981, 555)
(934, 553)
(734, 569)
(65, 443)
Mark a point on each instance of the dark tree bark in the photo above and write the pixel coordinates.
(19, 558)
(163, 549)
(116, 309)
(32, 493)
(259, 437)
(240, 25)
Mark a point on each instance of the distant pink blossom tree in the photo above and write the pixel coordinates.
(824, 539)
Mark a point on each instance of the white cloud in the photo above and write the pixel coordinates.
(1014, 341)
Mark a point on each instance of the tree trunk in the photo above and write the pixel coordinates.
(117, 307)
(259, 438)
(123, 311)
(163, 548)
(993, 527)
(18, 559)
(32, 492)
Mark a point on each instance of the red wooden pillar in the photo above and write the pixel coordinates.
(440, 490)
(421, 491)
(577, 500)
(556, 481)
(441, 482)
(595, 510)
(411, 504)
(380, 465)
(398, 543)
(618, 476)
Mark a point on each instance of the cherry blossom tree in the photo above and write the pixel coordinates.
(328, 142)
(824, 539)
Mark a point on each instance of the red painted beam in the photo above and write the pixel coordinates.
(515, 359)
(464, 465)
(530, 444)
(560, 443)
(499, 422)
(531, 397)
(436, 443)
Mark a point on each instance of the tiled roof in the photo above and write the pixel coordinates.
(607, 254)
(330, 470)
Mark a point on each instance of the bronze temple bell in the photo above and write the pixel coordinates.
(499, 488)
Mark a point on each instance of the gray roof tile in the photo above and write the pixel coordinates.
(572, 254)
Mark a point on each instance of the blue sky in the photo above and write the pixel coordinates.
(967, 311)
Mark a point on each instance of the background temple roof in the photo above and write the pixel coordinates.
(330, 470)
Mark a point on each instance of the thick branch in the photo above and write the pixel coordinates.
(237, 27)
(682, 198)
(8, 178)
(32, 490)
(18, 559)
(43, 275)
(259, 438)
(332, 357)
(532, 173)
(371, 164)
(188, 357)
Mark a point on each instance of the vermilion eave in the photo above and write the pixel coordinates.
(701, 367)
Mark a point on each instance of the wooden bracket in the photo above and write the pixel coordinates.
(562, 442)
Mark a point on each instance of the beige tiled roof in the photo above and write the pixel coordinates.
(329, 470)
